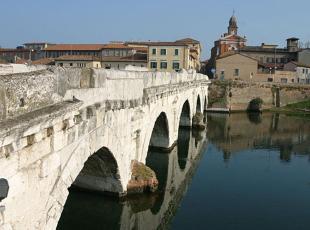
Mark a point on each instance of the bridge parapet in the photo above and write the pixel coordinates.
(26, 92)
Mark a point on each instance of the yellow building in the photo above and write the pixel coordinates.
(172, 56)
(168, 56)
(78, 61)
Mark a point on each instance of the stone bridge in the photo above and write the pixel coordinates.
(85, 127)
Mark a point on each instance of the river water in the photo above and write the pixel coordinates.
(244, 172)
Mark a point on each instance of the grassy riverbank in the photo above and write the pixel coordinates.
(298, 109)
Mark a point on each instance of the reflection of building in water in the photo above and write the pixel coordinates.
(146, 211)
(237, 132)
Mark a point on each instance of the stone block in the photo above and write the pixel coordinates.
(71, 136)
(49, 164)
(21, 143)
(8, 140)
(32, 130)
(59, 140)
(33, 153)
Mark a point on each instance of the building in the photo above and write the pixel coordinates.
(59, 50)
(271, 57)
(172, 56)
(235, 66)
(302, 71)
(304, 56)
(13, 55)
(168, 56)
(78, 61)
(122, 62)
(120, 55)
(37, 48)
(194, 51)
(228, 42)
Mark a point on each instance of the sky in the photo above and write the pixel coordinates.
(101, 21)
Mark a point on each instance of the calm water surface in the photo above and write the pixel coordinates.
(244, 172)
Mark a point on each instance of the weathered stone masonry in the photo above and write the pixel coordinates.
(53, 120)
(236, 95)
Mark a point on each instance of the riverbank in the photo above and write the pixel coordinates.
(295, 109)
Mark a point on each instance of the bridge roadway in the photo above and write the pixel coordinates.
(55, 122)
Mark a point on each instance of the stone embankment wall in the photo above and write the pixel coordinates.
(236, 95)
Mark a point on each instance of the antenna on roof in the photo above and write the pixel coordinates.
(233, 12)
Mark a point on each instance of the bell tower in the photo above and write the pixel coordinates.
(233, 28)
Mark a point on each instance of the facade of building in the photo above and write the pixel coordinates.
(172, 56)
(302, 71)
(37, 49)
(78, 61)
(168, 56)
(236, 66)
(304, 56)
(120, 55)
(271, 57)
(112, 62)
(14, 55)
(59, 50)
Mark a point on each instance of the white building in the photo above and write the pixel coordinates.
(302, 71)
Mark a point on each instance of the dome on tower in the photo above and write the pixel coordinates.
(233, 28)
(233, 21)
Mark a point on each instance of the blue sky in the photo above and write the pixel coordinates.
(100, 21)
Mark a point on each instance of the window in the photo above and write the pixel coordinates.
(61, 64)
(283, 80)
(153, 65)
(270, 79)
(262, 60)
(71, 64)
(222, 76)
(163, 52)
(236, 72)
(163, 65)
(176, 65)
(154, 51)
(176, 52)
(268, 60)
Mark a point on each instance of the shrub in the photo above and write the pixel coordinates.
(255, 105)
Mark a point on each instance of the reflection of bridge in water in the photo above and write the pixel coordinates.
(148, 211)
(237, 132)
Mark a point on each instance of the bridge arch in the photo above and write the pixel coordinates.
(198, 105)
(160, 132)
(157, 135)
(205, 104)
(185, 116)
(100, 173)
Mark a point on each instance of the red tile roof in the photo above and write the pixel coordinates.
(43, 61)
(14, 50)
